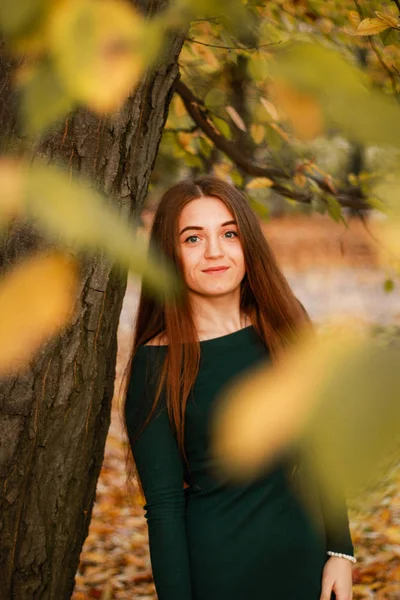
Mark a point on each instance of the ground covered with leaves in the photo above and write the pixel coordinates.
(115, 562)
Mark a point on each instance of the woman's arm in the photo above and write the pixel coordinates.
(338, 536)
(160, 469)
(304, 482)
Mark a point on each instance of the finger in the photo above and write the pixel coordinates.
(326, 592)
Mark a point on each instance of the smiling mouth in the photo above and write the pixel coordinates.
(216, 270)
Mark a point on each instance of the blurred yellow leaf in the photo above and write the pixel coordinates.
(345, 96)
(300, 179)
(334, 395)
(280, 131)
(259, 183)
(264, 411)
(179, 106)
(371, 26)
(97, 46)
(302, 109)
(36, 300)
(185, 140)
(44, 99)
(257, 132)
(270, 108)
(354, 17)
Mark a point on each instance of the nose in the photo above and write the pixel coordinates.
(213, 248)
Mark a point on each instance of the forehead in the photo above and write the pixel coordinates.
(204, 210)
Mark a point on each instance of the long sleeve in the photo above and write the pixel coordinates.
(338, 536)
(304, 482)
(160, 468)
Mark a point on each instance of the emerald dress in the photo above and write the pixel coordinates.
(219, 540)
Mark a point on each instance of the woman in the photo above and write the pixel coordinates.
(212, 539)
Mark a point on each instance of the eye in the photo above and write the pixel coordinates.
(231, 236)
(191, 238)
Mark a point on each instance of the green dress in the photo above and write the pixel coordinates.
(218, 540)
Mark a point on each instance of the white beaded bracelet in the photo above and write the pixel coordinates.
(352, 558)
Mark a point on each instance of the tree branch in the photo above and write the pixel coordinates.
(194, 41)
(347, 197)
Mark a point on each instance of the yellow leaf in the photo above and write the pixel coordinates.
(270, 108)
(185, 140)
(371, 26)
(354, 17)
(259, 183)
(50, 283)
(179, 106)
(97, 47)
(236, 118)
(302, 109)
(300, 179)
(334, 396)
(257, 132)
(391, 20)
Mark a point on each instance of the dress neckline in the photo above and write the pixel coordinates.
(228, 339)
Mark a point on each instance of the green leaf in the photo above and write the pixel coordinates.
(388, 285)
(389, 36)
(259, 208)
(74, 215)
(273, 139)
(237, 178)
(258, 67)
(222, 126)
(214, 99)
(19, 17)
(205, 146)
(44, 100)
(193, 161)
(334, 209)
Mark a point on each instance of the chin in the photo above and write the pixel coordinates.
(216, 291)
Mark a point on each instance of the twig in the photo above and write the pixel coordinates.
(194, 41)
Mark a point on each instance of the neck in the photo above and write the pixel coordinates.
(217, 315)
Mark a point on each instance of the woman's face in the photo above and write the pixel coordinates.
(210, 248)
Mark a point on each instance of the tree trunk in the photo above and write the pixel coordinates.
(55, 416)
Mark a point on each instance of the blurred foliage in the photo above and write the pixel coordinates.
(295, 100)
(50, 281)
(328, 138)
(73, 53)
(333, 399)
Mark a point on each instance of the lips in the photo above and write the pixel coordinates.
(215, 270)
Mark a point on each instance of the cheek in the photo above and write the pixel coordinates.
(189, 259)
(239, 257)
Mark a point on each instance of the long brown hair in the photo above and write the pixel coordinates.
(266, 298)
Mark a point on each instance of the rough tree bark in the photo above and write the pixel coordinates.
(55, 416)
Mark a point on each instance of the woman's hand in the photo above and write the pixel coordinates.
(337, 577)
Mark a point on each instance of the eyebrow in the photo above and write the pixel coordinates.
(198, 228)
